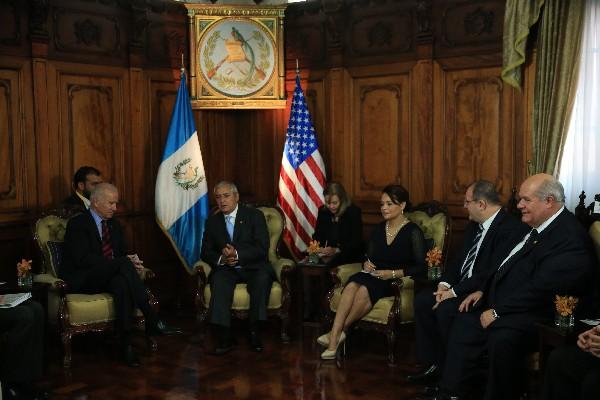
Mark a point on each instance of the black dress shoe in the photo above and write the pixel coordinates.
(427, 375)
(162, 329)
(130, 358)
(255, 342)
(431, 390)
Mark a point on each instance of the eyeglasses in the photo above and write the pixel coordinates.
(467, 202)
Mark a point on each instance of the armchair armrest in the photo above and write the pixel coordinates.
(342, 273)
(282, 266)
(47, 279)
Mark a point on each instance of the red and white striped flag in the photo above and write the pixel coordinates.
(302, 176)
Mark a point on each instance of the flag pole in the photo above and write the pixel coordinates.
(297, 68)
(182, 70)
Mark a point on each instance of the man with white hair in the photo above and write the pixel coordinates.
(554, 257)
(96, 260)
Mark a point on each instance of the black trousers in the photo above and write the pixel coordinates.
(222, 285)
(22, 354)
(122, 281)
(506, 349)
(432, 327)
(572, 373)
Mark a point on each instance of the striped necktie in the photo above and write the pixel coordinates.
(107, 249)
(471, 255)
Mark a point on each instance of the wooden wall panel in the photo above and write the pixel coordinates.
(381, 133)
(91, 125)
(474, 135)
(17, 145)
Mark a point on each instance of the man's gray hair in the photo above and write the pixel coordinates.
(101, 190)
(551, 187)
(229, 184)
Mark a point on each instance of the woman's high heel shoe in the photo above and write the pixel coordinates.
(323, 340)
(330, 354)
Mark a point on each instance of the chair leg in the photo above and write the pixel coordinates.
(66, 340)
(285, 322)
(151, 342)
(391, 342)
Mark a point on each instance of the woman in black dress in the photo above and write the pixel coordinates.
(339, 227)
(396, 249)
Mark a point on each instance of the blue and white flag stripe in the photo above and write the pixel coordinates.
(181, 195)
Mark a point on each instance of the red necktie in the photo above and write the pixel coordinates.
(107, 250)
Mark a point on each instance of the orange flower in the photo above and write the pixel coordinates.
(565, 304)
(313, 247)
(23, 267)
(434, 257)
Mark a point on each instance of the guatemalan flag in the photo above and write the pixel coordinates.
(181, 195)
(301, 177)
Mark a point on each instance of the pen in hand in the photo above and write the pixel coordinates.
(372, 268)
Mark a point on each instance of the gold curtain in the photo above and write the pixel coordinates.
(558, 52)
(519, 16)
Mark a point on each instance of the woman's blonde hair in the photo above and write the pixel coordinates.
(335, 188)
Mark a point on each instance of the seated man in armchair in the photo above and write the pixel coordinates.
(95, 260)
(236, 245)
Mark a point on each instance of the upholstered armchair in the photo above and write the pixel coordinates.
(279, 299)
(72, 313)
(389, 312)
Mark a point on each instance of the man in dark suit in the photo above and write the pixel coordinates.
(95, 260)
(490, 228)
(236, 245)
(84, 182)
(21, 364)
(554, 257)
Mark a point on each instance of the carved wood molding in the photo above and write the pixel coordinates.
(396, 89)
(11, 192)
(476, 24)
(88, 32)
(458, 187)
(13, 38)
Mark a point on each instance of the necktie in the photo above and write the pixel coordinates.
(107, 249)
(471, 255)
(229, 225)
(531, 239)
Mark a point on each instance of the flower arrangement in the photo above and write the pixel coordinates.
(565, 305)
(434, 257)
(23, 268)
(313, 247)
(313, 251)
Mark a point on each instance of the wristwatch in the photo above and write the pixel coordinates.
(495, 314)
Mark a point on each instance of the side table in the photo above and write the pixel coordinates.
(312, 272)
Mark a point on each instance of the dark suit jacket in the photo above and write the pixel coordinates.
(73, 202)
(250, 238)
(350, 239)
(559, 261)
(505, 231)
(82, 249)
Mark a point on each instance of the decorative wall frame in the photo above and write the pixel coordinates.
(236, 56)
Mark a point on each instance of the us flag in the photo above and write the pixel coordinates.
(302, 176)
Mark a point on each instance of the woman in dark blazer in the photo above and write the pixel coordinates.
(339, 227)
